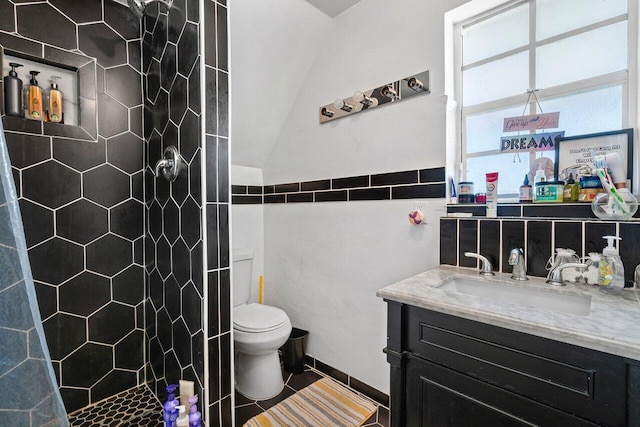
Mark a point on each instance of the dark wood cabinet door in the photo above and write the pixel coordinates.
(440, 397)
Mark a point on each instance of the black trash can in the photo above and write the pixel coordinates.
(293, 351)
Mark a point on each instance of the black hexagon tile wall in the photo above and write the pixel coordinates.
(85, 204)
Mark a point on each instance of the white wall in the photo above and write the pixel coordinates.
(272, 45)
(247, 229)
(325, 261)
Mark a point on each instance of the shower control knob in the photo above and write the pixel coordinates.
(171, 165)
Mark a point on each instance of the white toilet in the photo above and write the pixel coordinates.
(259, 331)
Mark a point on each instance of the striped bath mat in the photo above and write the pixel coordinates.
(323, 403)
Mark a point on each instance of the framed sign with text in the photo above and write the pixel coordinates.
(574, 152)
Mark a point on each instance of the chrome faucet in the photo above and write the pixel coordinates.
(487, 268)
(555, 274)
(516, 259)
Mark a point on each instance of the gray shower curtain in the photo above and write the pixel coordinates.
(29, 394)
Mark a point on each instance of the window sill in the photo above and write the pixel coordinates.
(532, 210)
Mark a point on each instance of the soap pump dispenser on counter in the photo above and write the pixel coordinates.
(611, 271)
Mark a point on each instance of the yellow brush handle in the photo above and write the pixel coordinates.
(261, 289)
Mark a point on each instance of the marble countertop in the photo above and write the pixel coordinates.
(612, 325)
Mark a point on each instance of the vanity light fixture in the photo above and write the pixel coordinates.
(388, 93)
(326, 112)
(415, 85)
(363, 99)
(341, 105)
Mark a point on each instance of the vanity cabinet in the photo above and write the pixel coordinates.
(450, 371)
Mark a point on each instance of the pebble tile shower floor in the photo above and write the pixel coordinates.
(132, 408)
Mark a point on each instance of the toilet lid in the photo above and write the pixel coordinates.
(258, 318)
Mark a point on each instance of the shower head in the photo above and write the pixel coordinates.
(138, 6)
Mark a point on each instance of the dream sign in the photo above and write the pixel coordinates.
(529, 143)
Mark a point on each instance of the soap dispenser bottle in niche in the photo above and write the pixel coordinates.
(13, 93)
(33, 101)
(54, 102)
(611, 271)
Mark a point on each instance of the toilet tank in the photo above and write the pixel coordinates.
(242, 275)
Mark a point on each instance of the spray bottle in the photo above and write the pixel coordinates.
(611, 271)
(195, 417)
(170, 406)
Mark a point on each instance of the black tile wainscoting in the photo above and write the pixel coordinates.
(494, 238)
(412, 184)
(81, 194)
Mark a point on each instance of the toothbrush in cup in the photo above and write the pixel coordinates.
(607, 183)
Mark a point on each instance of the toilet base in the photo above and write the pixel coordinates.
(259, 377)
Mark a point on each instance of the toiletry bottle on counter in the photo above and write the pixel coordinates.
(492, 194)
(611, 271)
(13, 93)
(571, 190)
(539, 177)
(526, 191)
(33, 98)
(54, 102)
(465, 192)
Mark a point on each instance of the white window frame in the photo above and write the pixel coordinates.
(476, 10)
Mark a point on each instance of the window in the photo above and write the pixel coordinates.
(574, 53)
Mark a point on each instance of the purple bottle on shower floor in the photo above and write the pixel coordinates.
(195, 417)
(170, 407)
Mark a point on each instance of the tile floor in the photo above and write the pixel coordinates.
(246, 409)
(137, 407)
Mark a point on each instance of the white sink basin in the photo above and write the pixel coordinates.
(517, 294)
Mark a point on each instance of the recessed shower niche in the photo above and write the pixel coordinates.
(76, 80)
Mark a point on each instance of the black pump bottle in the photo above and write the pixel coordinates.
(13, 93)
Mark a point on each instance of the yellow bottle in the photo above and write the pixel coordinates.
(33, 98)
(54, 102)
(570, 193)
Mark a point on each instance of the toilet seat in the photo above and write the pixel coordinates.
(256, 318)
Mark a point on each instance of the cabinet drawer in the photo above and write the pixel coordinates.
(440, 397)
(570, 378)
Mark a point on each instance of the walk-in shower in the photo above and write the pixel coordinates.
(138, 6)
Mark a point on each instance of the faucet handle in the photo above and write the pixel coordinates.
(487, 268)
(636, 277)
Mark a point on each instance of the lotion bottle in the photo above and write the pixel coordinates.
(611, 270)
(54, 102)
(33, 101)
(183, 418)
(539, 177)
(13, 93)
